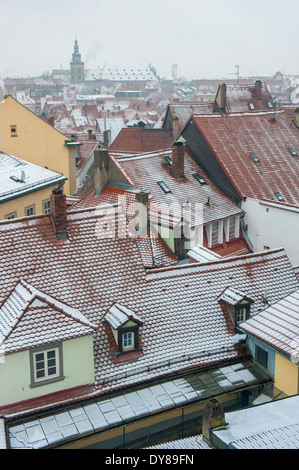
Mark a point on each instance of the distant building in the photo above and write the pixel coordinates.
(77, 66)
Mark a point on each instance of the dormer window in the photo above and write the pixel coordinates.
(123, 330)
(238, 304)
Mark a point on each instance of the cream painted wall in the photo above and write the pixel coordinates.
(36, 142)
(286, 376)
(15, 378)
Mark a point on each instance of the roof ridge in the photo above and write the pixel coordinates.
(218, 261)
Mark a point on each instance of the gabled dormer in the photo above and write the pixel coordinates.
(237, 303)
(122, 325)
(47, 346)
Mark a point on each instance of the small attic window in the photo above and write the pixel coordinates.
(251, 105)
(254, 158)
(13, 131)
(199, 178)
(293, 152)
(279, 197)
(124, 327)
(164, 187)
(238, 304)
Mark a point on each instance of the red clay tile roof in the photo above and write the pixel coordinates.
(92, 273)
(137, 140)
(243, 98)
(238, 135)
(145, 170)
(153, 250)
(30, 318)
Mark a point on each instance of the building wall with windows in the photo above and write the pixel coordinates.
(76, 367)
(34, 203)
(27, 136)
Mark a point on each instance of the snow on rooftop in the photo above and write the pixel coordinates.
(257, 420)
(118, 315)
(18, 177)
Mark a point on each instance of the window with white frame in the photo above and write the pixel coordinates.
(127, 340)
(215, 233)
(30, 210)
(231, 228)
(241, 315)
(46, 365)
(46, 206)
(10, 216)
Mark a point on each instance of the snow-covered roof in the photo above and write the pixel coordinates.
(29, 306)
(184, 327)
(273, 425)
(233, 296)
(146, 169)
(100, 415)
(235, 137)
(194, 442)
(201, 254)
(121, 73)
(19, 177)
(118, 315)
(278, 325)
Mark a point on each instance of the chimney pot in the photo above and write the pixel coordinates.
(178, 155)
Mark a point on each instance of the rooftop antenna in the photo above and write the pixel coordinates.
(237, 73)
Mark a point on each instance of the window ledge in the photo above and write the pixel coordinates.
(46, 382)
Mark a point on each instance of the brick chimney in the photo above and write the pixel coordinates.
(107, 138)
(178, 153)
(175, 126)
(213, 417)
(101, 170)
(58, 213)
(142, 219)
(258, 89)
(90, 137)
(222, 96)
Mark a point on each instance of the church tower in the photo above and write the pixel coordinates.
(77, 66)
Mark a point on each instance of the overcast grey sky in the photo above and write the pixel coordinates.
(206, 38)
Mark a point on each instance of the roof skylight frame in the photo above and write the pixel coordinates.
(254, 158)
(164, 187)
(279, 196)
(199, 178)
(293, 152)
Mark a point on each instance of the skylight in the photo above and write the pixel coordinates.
(254, 158)
(164, 187)
(279, 197)
(293, 152)
(199, 178)
(168, 159)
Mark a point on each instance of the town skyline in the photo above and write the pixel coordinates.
(205, 41)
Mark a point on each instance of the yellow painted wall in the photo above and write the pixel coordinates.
(36, 141)
(286, 376)
(19, 204)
